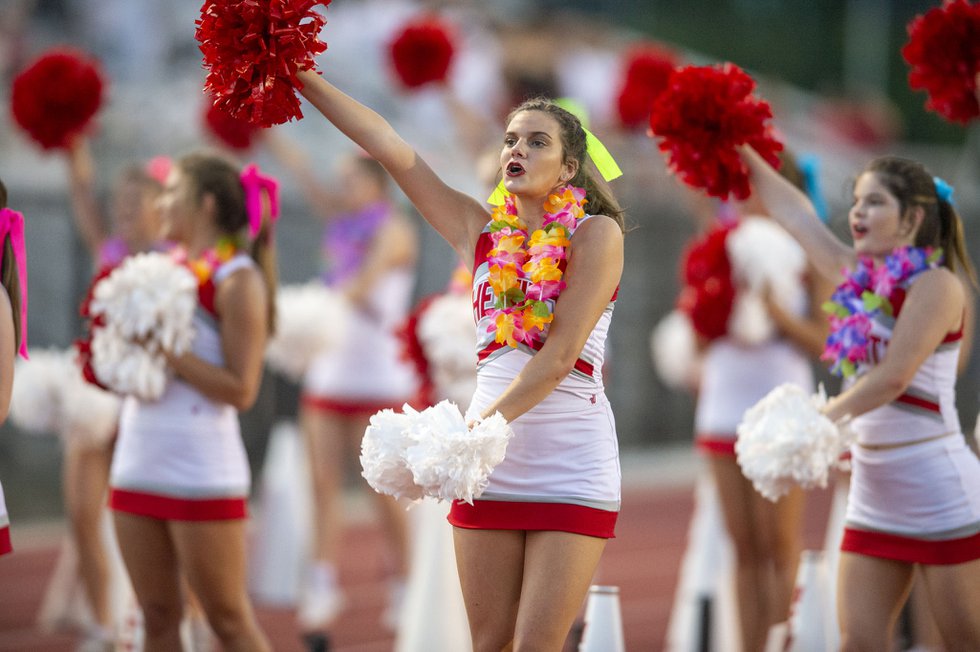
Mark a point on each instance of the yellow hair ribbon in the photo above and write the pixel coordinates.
(604, 162)
(499, 195)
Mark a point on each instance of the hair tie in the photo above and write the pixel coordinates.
(12, 224)
(810, 167)
(604, 162)
(943, 190)
(254, 183)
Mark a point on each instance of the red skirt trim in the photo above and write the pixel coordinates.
(715, 445)
(908, 549)
(561, 517)
(167, 508)
(349, 407)
(5, 544)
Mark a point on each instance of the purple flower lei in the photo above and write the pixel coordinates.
(865, 294)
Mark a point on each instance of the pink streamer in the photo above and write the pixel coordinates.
(12, 224)
(254, 183)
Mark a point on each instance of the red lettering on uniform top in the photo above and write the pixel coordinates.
(484, 300)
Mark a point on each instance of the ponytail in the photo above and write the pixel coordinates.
(953, 241)
(263, 252)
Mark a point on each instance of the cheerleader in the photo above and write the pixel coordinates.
(132, 226)
(369, 252)
(914, 498)
(179, 481)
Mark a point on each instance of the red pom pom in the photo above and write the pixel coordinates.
(647, 70)
(422, 52)
(56, 97)
(231, 131)
(708, 293)
(944, 54)
(705, 112)
(253, 50)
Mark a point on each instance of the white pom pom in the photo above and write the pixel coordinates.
(450, 461)
(383, 454)
(432, 453)
(784, 440)
(762, 253)
(310, 319)
(35, 399)
(673, 347)
(764, 258)
(448, 337)
(148, 305)
(749, 322)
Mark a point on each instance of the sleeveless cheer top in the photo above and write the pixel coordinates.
(182, 457)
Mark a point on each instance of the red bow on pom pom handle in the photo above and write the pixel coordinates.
(701, 118)
(57, 96)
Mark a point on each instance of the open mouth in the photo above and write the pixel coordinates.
(858, 231)
(514, 169)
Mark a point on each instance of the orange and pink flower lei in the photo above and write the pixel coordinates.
(525, 271)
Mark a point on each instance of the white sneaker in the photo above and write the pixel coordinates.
(320, 607)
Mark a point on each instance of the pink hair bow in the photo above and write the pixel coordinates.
(254, 183)
(12, 224)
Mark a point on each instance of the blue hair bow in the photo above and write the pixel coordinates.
(944, 190)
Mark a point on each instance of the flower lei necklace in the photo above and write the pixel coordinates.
(522, 314)
(862, 296)
(205, 265)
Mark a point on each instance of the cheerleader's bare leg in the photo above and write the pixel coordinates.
(766, 541)
(212, 557)
(85, 478)
(954, 594)
(523, 590)
(151, 561)
(328, 451)
(870, 595)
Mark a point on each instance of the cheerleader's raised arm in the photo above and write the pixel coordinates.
(794, 211)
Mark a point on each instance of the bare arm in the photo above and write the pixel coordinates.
(933, 308)
(595, 266)
(8, 353)
(86, 214)
(394, 245)
(241, 302)
(809, 332)
(795, 213)
(457, 217)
